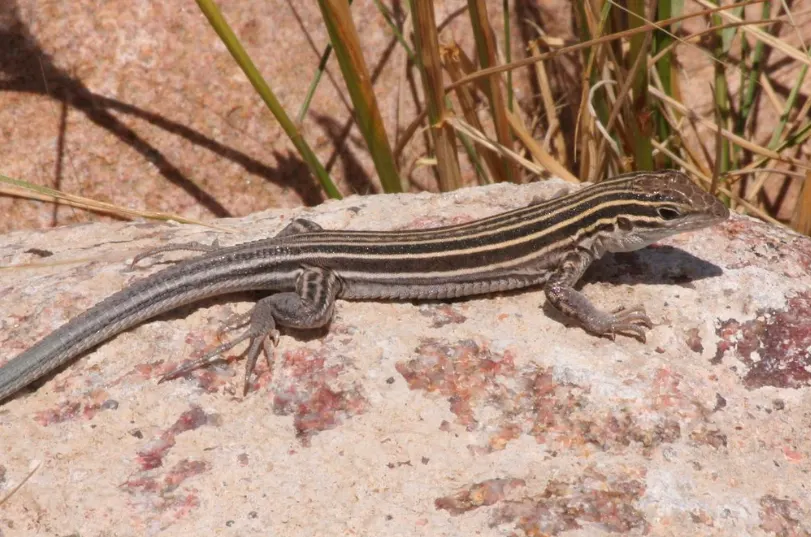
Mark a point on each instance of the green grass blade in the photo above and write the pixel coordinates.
(641, 125)
(394, 29)
(346, 43)
(217, 21)
(666, 71)
(751, 85)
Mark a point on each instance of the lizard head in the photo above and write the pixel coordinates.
(651, 206)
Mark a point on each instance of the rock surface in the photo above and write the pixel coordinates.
(486, 416)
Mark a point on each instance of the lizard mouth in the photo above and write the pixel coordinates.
(707, 219)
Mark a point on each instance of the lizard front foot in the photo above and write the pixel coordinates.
(632, 322)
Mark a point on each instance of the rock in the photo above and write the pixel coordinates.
(484, 416)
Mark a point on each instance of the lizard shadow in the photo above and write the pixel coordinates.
(655, 265)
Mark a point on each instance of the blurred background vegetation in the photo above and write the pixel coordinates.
(609, 102)
(629, 115)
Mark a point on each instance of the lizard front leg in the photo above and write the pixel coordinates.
(561, 294)
(311, 305)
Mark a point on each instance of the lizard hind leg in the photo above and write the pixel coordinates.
(298, 225)
(184, 247)
(311, 305)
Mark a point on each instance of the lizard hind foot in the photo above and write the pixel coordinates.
(261, 334)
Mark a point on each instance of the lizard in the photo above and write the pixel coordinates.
(307, 268)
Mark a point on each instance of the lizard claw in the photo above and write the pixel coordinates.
(259, 343)
(261, 333)
(632, 321)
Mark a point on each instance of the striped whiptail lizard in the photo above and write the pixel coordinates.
(549, 243)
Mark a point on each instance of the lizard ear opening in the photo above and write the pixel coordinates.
(624, 224)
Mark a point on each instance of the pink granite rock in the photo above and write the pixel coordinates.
(486, 416)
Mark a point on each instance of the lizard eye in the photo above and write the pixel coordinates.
(668, 213)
